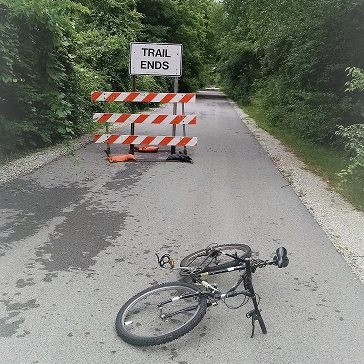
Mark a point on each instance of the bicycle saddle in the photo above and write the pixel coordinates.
(281, 259)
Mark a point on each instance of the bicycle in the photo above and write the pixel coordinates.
(165, 312)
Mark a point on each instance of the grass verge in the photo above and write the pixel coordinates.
(323, 161)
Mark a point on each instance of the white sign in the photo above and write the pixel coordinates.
(158, 59)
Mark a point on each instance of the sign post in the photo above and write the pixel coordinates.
(184, 129)
(132, 125)
(174, 127)
(157, 59)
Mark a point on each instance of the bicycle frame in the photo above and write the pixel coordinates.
(214, 294)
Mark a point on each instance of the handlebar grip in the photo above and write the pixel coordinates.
(281, 259)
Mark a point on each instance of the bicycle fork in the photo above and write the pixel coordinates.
(255, 313)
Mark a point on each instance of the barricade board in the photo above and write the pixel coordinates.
(142, 97)
(158, 119)
(146, 140)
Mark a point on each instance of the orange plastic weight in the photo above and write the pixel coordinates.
(121, 158)
(148, 149)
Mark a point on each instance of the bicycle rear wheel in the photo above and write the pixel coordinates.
(160, 314)
(212, 259)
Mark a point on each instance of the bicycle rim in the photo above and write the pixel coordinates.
(152, 317)
(209, 261)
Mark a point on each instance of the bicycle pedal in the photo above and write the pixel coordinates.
(252, 313)
(212, 303)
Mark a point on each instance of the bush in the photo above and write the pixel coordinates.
(54, 53)
(37, 75)
(291, 57)
(353, 135)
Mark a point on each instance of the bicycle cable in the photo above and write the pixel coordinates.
(245, 301)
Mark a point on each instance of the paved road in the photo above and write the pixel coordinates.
(78, 238)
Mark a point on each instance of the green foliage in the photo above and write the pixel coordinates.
(357, 80)
(353, 135)
(54, 53)
(185, 22)
(37, 74)
(354, 142)
(291, 56)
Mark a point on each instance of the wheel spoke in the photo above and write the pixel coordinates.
(157, 313)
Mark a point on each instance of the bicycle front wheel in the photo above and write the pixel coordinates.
(213, 259)
(160, 314)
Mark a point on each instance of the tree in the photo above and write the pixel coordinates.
(291, 57)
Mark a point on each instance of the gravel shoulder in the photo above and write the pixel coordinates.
(24, 165)
(342, 223)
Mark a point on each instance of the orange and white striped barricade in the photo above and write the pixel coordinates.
(152, 119)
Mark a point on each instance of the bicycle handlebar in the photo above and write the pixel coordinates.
(280, 259)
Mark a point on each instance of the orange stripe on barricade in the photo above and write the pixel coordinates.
(95, 95)
(193, 121)
(159, 119)
(104, 118)
(140, 119)
(177, 119)
(112, 139)
(184, 142)
(97, 138)
(165, 140)
(168, 97)
(187, 98)
(113, 96)
(131, 97)
(123, 118)
(147, 140)
(130, 139)
(150, 97)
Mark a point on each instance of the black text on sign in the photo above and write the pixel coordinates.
(159, 59)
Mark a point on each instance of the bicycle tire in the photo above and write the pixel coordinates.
(125, 329)
(243, 251)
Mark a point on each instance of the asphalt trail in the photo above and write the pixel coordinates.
(78, 237)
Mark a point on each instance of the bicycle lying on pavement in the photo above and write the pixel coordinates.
(167, 311)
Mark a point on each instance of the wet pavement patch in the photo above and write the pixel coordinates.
(123, 180)
(9, 327)
(34, 205)
(92, 220)
(76, 243)
(21, 283)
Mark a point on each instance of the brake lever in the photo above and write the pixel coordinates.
(165, 259)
